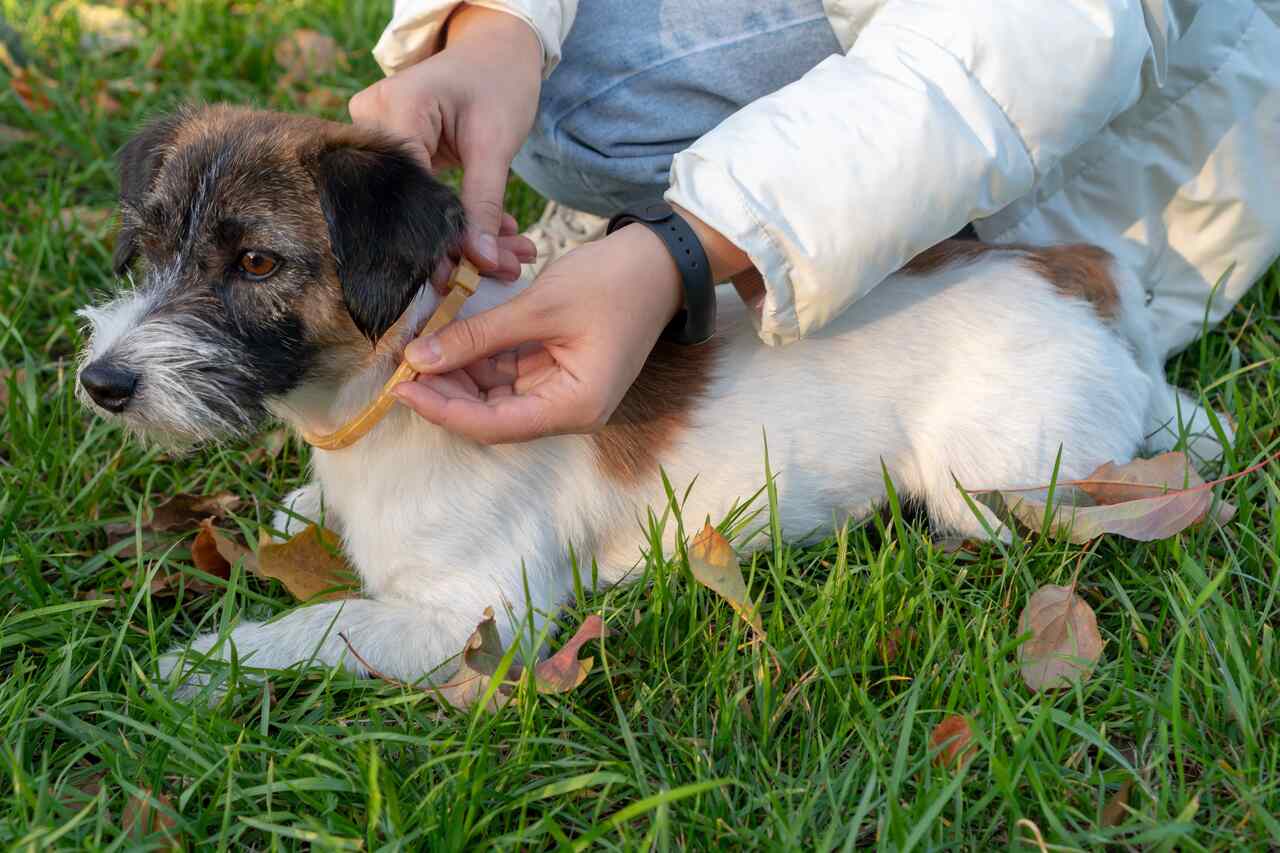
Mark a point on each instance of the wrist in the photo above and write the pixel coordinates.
(726, 259)
(493, 30)
(642, 250)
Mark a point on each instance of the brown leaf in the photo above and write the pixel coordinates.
(1142, 500)
(1117, 807)
(107, 29)
(30, 91)
(715, 566)
(305, 54)
(953, 741)
(310, 565)
(214, 552)
(481, 657)
(148, 814)
(892, 643)
(184, 511)
(1141, 478)
(1065, 643)
(76, 794)
(562, 672)
(15, 136)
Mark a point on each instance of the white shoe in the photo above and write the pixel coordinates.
(559, 230)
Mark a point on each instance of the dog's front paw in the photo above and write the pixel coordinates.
(192, 681)
(302, 507)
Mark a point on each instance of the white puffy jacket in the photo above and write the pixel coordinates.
(1148, 127)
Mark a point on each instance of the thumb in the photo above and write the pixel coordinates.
(484, 183)
(464, 341)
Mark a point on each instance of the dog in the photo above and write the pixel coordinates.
(283, 262)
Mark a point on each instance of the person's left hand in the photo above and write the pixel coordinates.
(557, 358)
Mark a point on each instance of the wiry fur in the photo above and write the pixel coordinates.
(979, 372)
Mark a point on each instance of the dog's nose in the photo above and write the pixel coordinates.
(110, 387)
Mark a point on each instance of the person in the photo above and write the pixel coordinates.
(813, 148)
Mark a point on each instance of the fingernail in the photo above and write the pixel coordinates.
(486, 246)
(422, 354)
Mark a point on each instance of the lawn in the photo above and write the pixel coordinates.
(685, 734)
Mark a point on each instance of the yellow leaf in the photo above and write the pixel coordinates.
(715, 566)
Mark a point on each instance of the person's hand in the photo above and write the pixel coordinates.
(470, 105)
(557, 358)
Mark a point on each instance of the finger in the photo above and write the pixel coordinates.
(489, 373)
(374, 107)
(520, 246)
(509, 226)
(462, 342)
(484, 182)
(505, 419)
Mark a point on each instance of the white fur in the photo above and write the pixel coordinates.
(977, 374)
(172, 404)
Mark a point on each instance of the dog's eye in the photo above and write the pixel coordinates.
(257, 265)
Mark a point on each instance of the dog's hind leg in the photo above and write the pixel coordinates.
(405, 640)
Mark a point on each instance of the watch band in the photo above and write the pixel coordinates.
(695, 322)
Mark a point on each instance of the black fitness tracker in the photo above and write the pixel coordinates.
(694, 323)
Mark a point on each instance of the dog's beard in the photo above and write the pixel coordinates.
(194, 384)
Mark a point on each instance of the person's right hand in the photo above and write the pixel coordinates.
(470, 105)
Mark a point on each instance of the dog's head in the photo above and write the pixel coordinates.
(271, 251)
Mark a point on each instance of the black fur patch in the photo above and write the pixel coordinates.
(140, 161)
(389, 222)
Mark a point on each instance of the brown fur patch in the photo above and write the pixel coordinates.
(656, 408)
(1077, 270)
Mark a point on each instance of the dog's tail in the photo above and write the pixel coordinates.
(1175, 419)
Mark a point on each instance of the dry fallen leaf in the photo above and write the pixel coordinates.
(1117, 807)
(310, 565)
(142, 818)
(1142, 500)
(482, 656)
(214, 552)
(108, 29)
(30, 91)
(305, 54)
(180, 513)
(715, 566)
(953, 741)
(1141, 478)
(563, 671)
(893, 642)
(1065, 643)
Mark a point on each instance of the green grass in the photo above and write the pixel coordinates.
(684, 735)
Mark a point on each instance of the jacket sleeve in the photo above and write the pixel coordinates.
(942, 112)
(414, 31)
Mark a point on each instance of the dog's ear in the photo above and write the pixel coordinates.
(140, 160)
(389, 222)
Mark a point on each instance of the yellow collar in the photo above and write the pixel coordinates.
(461, 285)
